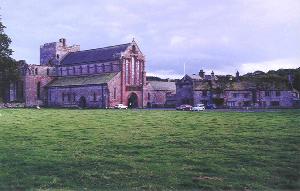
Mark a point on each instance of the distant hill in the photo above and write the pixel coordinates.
(279, 75)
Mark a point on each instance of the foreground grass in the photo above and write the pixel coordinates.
(113, 150)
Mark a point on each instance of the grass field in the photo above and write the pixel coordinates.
(148, 150)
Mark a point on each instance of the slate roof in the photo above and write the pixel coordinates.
(163, 86)
(82, 80)
(98, 55)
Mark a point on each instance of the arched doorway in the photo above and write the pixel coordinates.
(133, 100)
(82, 102)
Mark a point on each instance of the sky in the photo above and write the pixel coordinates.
(220, 35)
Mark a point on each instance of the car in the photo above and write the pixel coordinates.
(184, 107)
(121, 106)
(198, 107)
(211, 106)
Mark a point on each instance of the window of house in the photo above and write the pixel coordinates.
(103, 68)
(74, 97)
(278, 93)
(246, 95)
(61, 72)
(267, 93)
(111, 67)
(80, 69)
(235, 95)
(274, 103)
(95, 96)
(48, 71)
(63, 97)
(57, 56)
(204, 93)
(74, 70)
(88, 69)
(231, 103)
(149, 96)
(95, 68)
(115, 93)
(67, 71)
(69, 97)
(36, 71)
(247, 104)
(38, 90)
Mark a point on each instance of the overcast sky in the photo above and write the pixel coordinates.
(219, 35)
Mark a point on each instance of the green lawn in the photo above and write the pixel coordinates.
(148, 150)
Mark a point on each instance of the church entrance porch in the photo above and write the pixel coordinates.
(82, 102)
(133, 101)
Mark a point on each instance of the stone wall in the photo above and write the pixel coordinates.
(36, 75)
(96, 96)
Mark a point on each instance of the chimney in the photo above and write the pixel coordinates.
(237, 75)
(201, 73)
(63, 41)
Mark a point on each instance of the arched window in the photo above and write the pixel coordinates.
(36, 71)
(38, 90)
(133, 70)
(133, 49)
(115, 93)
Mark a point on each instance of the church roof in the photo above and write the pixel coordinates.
(163, 86)
(98, 55)
(82, 80)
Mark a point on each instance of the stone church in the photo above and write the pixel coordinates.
(95, 78)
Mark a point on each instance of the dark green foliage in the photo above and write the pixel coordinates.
(148, 150)
(8, 66)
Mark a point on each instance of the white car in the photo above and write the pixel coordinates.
(198, 107)
(121, 106)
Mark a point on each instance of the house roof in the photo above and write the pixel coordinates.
(159, 86)
(82, 80)
(105, 54)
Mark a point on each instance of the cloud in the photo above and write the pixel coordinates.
(171, 74)
(214, 35)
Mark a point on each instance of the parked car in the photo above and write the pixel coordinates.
(198, 107)
(184, 107)
(211, 106)
(121, 106)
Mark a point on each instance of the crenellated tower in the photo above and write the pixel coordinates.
(52, 53)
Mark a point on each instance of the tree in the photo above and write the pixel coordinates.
(8, 66)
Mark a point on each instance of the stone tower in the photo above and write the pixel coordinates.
(52, 53)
